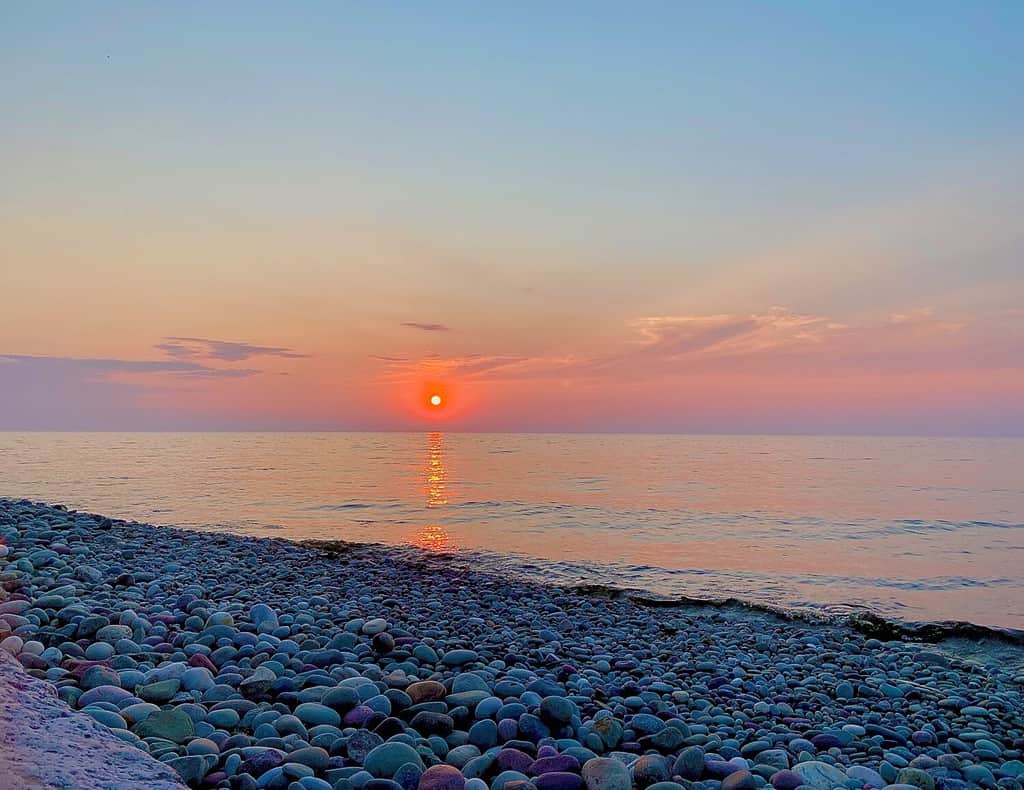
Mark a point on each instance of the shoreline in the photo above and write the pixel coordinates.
(862, 619)
(262, 662)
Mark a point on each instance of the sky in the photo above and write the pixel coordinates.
(659, 217)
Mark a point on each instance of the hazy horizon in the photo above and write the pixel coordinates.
(445, 431)
(679, 219)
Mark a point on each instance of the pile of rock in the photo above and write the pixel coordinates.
(254, 663)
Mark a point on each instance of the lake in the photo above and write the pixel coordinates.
(917, 529)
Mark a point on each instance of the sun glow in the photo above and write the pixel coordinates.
(436, 401)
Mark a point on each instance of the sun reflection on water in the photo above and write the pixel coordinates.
(437, 474)
(434, 537)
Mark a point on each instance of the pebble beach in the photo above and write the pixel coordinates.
(244, 662)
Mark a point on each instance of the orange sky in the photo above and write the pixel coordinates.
(738, 233)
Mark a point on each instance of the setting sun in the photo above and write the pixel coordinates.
(433, 399)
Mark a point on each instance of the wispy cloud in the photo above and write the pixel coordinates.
(100, 367)
(780, 341)
(771, 342)
(689, 336)
(426, 327)
(187, 358)
(435, 366)
(222, 350)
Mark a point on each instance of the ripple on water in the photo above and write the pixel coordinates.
(921, 529)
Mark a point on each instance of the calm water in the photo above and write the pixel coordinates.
(918, 529)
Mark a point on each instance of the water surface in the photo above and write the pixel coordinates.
(916, 529)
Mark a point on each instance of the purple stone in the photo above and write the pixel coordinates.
(559, 780)
(261, 762)
(513, 760)
(559, 763)
(786, 780)
(30, 661)
(507, 729)
(112, 694)
(719, 768)
(566, 671)
(358, 716)
(826, 740)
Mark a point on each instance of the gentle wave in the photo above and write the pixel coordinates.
(920, 530)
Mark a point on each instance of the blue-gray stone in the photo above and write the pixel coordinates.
(603, 773)
(384, 760)
(819, 775)
(458, 658)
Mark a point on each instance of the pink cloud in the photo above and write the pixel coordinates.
(772, 343)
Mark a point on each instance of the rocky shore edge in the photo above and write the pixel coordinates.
(260, 663)
(864, 620)
(44, 744)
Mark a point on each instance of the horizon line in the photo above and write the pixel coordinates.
(770, 434)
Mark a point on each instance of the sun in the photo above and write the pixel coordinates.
(435, 400)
